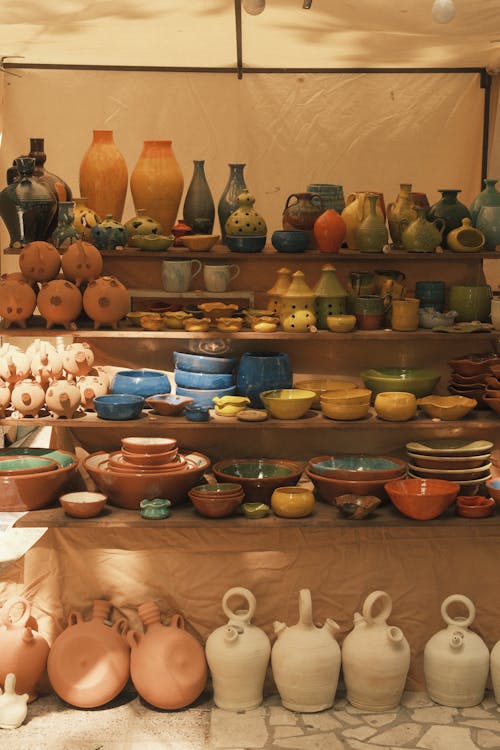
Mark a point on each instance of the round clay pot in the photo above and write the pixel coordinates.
(63, 398)
(28, 397)
(17, 300)
(81, 262)
(39, 261)
(106, 301)
(78, 359)
(59, 302)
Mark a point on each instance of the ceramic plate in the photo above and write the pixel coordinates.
(450, 447)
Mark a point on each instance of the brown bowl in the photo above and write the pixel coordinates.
(475, 506)
(83, 504)
(259, 477)
(492, 402)
(146, 460)
(422, 499)
(148, 444)
(454, 475)
(474, 364)
(480, 378)
(329, 489)
(357, 467)
(117, 462)
(448, 462)
(33, 491)
(167, 404)
(215, 507)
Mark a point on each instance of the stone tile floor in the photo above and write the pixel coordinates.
(128, 724)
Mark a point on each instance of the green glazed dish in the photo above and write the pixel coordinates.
(411, 380)
(155, 509)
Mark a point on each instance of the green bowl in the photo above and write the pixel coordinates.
(419, 382)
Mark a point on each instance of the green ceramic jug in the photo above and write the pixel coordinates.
(420, 235)
(372, 235)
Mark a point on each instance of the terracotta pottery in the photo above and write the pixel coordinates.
(4, 397)
(238, 654)
(167, 664)
(14, 364)
(104, 176)
(106, 301)
(23, 651)
(27, 492)
(89, 662)
(84, 218)
(60, 303)
(13, 707)
(375, 658)
(46, 362)
(329, 231)
(356, 210)
(91, 386)
(81, 262)
(157, 183)
(456, 660)
(302, 212)
(306, 661)
(17, 300)
(39, 261)
(28, 397)
(78, 359)
(63, 398)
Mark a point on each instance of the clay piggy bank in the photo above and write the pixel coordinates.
(60, 303)
(77, 359)
(14, 364)
(91, 386)
(4, 397)
(63, 398)
(39, 261)
(81, 262)
(17, 300)
(106, 301)
(46, 362)
(28, 397)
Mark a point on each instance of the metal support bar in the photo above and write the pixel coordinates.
(239, 39)
(486, 85)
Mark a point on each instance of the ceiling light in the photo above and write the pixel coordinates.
(307, 4)
(254, 7)
(443, 11)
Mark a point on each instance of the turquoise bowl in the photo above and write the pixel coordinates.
(259, 477)
(412, 380)
(358, 467)
(13, 465)
(63, 458)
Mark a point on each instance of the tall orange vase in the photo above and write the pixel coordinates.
(104, 176)
(157, 183)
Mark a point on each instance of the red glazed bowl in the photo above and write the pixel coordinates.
(475, 506)
(329, 489)
(422, 499)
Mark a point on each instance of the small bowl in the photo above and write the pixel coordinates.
(292, 502)
(493, 489)
(428, 317)
(145, 460)
(83, 504)
(263, 323)
(218, 489)
(200, 242)
(196, 324)
(216, 310)
(341, 323)
(167, 404)
(139, 383)
(448, 462)
(395, 406)
(290, 240)
(246, 243)
(134, 317)
(287, 403)
(344, 412)
(229, 324)
(357, 507)
(252, 415)
(152, 242)
(215, 507)
(446, 408)
(322, 385)
(118, 406)
(349, 397)
(174, 319)
(196, 413)
(255, 510)
(203, 379)
(475, 506)
(422, 499)
(203, 363)
(152, 322)
(141, 445)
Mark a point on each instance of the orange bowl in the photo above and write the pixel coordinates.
(422, 499)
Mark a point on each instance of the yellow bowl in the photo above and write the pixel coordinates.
(344, 398)
(229, 324)
(321, 385)
(287, 403)
(447, 407)
(152, 322)
(345, 412)
(341, 323)
(199, 242)
(174, 319)
(196, 324)
(395, 406)
(292, 502)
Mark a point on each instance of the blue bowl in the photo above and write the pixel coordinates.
(140, 382)
(290, 240)
(204, 398)
(246, 243)
(196, 413)
(204, 380)
(119, 406)
(202, 363)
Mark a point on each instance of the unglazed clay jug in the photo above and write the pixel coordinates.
(39, 261)
(23, 651)
(81, 262)
(329, 231)
(17, 300)
(28, 397)
(104, 176)
(358, 208)
(456, 660)
(421, 235)
(78, 359)
(106, 301)
(89, 662)
(63, 398)
(157, 183)
(306, 661)
(375, 657)
(402, 208)
(302, 212)
(13, 706)
(238, 655)
(167, 664)
(297, 306)
(60, 303)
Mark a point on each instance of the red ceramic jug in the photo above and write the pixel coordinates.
(23, 650)
(329, 231)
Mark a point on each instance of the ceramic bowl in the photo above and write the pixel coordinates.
(196, 413)
(476, 393)
(428, 317)
(246, 243)
(357, 507)
(493, 489)
(290, 240)
(292, 502)
(152, 242)
(216, 310)
(140, 382)
(422, 499)
(167, 404)
(349, 397)
(126, 490)
(448, 462)
(196, 324)
(450, 447)
(142, 445)
(174, 319)
(287, 403)
(475, 506)
(15, 464)
(152, 322)
(481, 379)
(447, 407)
(395, 406)
(492, 402)
(341, 323)
(455, 475)
(322, 385)
(149, 459)
(118, 406)
(118, 463)
(419, 382)
(203, 397)
(200, 242)
(134, 317)
(357, 467)
(203, 363)
(259, 477)
(255, 510)
(329, 488)
(474, 364)
(229, 324)
(215, 507)
(24, 492)
(83, 504)
(217, 489)
(206, 380)
(344, 412)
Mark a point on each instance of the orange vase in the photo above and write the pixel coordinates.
(329, 231)
(104, 176)
(157, 183)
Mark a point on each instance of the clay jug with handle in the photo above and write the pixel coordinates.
(302, 212)
(357, 209)
(167, 664)
(306, 661)
(402, 208)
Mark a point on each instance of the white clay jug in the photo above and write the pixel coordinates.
(306, 661)
(456, 660)
(495, 670)
(13, 707)
(375, 658)
(238, 655)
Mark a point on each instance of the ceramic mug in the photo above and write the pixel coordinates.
(369, 311)
(176, 275)
(405, 314)
(431, 294)
(361, 282)
(471, 302)
(218, 278)
(495, 314)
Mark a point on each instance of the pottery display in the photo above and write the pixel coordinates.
(296, 310)
(156, 183)
(356, 210)
(329, 231)
(301, 211)
(262, 371)
(28, 398)
(466, 238)
(81, 262)
(63, 398)
(60, 303)
(228, 202)
(106, 301)
(450, 210)
(306, 661)
(167, 664)
(141, 225)
(89, 661)
(375, 657)
(17, 300)
(64, 233)
(104, 176)
(402, 209)
(330, 296)
(84, 218)
(14, 364)
(371, 234)
(27, 206)
(238, 655)
(489, 196)
(199, 207)
(420, 235)
(39, 261)
(456, 660)
(13, 705)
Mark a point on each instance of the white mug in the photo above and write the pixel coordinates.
(218, 278)
(176, 275)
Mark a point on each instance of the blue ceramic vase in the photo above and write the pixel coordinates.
(262, 371)
(228, 202)
(199, 208)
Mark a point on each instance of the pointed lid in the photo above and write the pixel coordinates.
(328, 284)
(299, 287)
(283, 281)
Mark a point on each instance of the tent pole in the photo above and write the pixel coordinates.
(486, 85)
(239, 38)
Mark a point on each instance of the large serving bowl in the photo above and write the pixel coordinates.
(395, 406)
(259, 477)
(205, 380)
(321, 385)
(118, 406)
(287, 403)
(422, 499)
(329, 488)
(357, 467)
(412, 380)
(22, 492)
(140, 382)
(446, 407)
(204, 398)
(127, 489)
(203, 363)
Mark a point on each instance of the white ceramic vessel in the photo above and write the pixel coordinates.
(13, 707)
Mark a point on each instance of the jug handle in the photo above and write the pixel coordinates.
(293, 195)
(461, 599)
(10, 604)
(440, 224)
(318, 196)
(305, 607)
(74, 618)
(177, 621)
(350, 198)
(384, 613)
(246, 594)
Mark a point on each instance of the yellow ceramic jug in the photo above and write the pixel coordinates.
(357, 209)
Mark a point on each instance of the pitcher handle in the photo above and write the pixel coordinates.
(236, 269)
(460, 599)
(305, 607)
(8, 606)
(196, 263)
(384, 613)
(246, 594)
(440, 224)
(177, 621)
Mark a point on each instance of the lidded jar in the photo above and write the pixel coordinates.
(456, 660)
(245, 220)
(306, 661)
(167, 664)
(238, 654)
(297, 306)
(375, 657)
(330, 296)
(283, 281)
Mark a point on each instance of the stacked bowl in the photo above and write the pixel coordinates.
(202, 377)
(32, 478)
(461, 461)
(216, 500)
(469, 375)
(346, 405)
(491, 394)
(333, 476)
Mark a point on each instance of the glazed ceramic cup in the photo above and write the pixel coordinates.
(471, 302)
(218, 278)
(404, 315)
(177, 274)
(369, 311)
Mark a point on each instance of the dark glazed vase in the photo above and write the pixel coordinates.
(199, 208)
(27, 206)
(228, 202)
(450, 210)
(487, 197)
(262, 371)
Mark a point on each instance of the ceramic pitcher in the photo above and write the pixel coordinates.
(375, 658)
(306, 661)
(420, 235)
(356, 210)
(177, 274)
(456, 660)
(238, 654)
